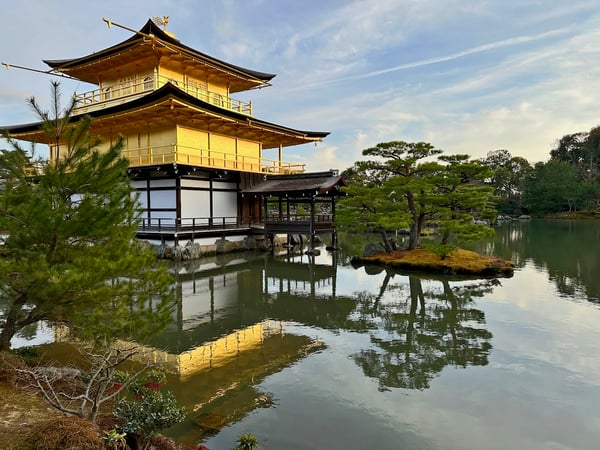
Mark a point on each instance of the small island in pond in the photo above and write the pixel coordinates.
(457, 262)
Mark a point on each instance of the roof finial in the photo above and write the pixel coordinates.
(162, 21)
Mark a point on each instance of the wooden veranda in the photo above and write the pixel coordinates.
(300, 204)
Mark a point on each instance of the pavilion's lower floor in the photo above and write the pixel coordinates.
(180, 203)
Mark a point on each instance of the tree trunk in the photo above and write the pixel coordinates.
(5, 337)
(386, 242)
(415, 232)
(413, 240)
(445, 238)
(415, 227)
(10, 326)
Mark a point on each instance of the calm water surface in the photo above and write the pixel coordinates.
(314, 354)
(361, 358)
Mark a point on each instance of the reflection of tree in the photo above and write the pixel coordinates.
(566, 249)
(421, 336)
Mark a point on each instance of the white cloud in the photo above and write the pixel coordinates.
(466, 76)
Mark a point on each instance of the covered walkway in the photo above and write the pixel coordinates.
(301, 204)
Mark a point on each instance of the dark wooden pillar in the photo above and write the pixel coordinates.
(334, 242)
(265, 210)
(312, 223)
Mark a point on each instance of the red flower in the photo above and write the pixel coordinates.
(114, 388)
(153, 385)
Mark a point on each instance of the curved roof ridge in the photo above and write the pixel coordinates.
(151, 29)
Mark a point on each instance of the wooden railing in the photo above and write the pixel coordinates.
(298, 224)
(213, 159)
(118, 94)
(299, 218)
(191, 224)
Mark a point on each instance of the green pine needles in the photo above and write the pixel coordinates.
(70, 255)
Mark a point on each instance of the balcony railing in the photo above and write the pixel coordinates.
(299, 222)
(118, 94)
(192, 224)
(299, 218)
(211, 159)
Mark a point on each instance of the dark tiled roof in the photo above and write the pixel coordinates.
(298, 184)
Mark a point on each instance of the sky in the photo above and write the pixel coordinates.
(467, 76)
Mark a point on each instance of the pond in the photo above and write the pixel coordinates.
(311, 353)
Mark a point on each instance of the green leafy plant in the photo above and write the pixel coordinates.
(142, 418)
(113, 439)
(442, 250)
(76, 262)
(154, 379)
(247, 442)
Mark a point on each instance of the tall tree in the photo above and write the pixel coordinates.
(508, 176)
(407, 177)
(70, 255)
(582, 151)
(403, 186)
(553, 187)
(371, 205)
(591, 165)
(497, 159)
(570, 148)
(461, 195)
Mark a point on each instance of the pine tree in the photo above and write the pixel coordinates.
(403, 187)
(70, 255)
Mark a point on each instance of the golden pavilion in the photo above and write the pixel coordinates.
(195, 152)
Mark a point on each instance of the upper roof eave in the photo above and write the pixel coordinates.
(151, 29)
(171, 90)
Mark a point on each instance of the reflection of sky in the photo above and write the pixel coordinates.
(350, 281)
(533, 321)
(540, 390)
(43, 334)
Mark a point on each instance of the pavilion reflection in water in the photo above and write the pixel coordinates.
(228, 333)
(226, 305)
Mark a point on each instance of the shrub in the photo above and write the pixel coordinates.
(114, 440)
(142, 417)
(247, 442)
(9, 362)
(442, 250)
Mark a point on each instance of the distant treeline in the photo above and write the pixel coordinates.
(568, 182)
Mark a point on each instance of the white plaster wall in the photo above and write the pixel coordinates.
(224, 185)
(164, 215)
(195, 204)
(138, 184)
(162, 199)
(167, 182)
(195, 183)
(142, 199)
(225, 205)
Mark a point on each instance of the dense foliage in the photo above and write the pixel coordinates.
(568, 182)
(146, 414)
(70, 255)
(403, 187)
(408, 185)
